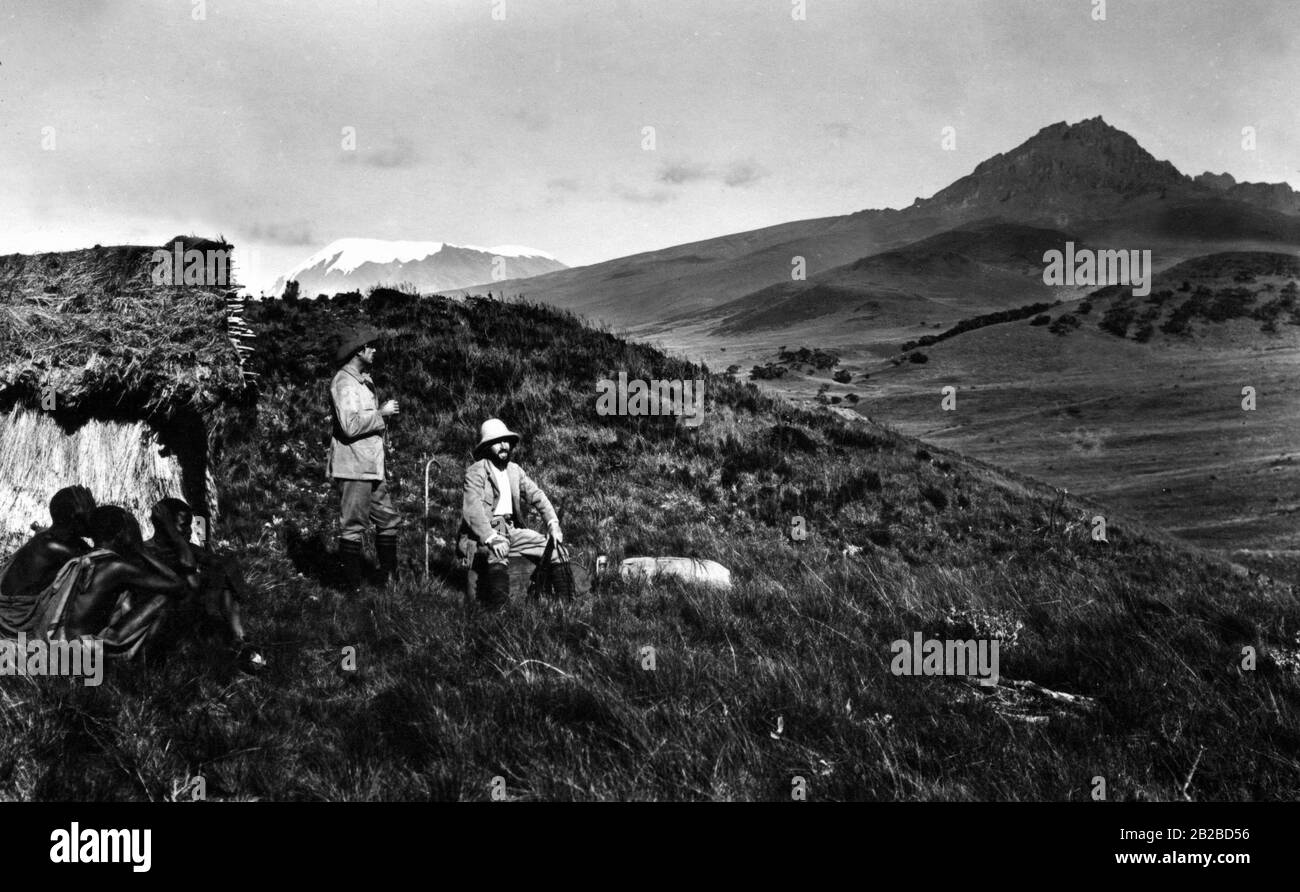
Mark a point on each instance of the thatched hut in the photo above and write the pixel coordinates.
(112, 380)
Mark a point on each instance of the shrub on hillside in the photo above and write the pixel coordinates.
(975, 322)
(1117, 319)
(1041, 320)
(818, 359)
(1179, 321)
(1063, 324)
(1230, 303)
(842, 376)
(935, 497)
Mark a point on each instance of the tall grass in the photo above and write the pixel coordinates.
(555, 699)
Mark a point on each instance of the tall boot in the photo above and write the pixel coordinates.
(386, 550)
(350, 555)
(494, 587)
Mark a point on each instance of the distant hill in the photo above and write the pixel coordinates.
(1089, 178)
(1065, 173)
(355, 264)
(1273, 196)
(960, 272)
(1009, 245)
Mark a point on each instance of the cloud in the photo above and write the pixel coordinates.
(559, 189)
(279, 233)
(398, 152)
(741, 172)
(532, 119)
(678, 172)
(642, 196)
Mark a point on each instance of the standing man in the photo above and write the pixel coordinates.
(492, 512)
(356, 457)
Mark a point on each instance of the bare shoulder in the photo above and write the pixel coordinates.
(70, 549)
(114, 567)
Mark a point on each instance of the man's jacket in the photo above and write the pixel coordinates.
(480, 500)
(357, 444)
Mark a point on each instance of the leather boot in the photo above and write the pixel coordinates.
(350, 555)
(494, 587)
(386, 550)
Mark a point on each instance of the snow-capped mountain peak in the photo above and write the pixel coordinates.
(517, 251)
(355, 263)
(346, 254)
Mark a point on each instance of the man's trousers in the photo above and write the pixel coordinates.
(523, 542)
(366, 502)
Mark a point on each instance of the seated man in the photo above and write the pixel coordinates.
(492, 512)
(34, 566)
(119, 591)
(218, 582)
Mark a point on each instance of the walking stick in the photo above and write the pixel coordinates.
(427, 465)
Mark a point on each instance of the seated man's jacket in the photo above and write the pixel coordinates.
(481, 498)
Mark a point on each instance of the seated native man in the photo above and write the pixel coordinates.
(121, 592)
(34, 566)
(492, 512)
(216, 581)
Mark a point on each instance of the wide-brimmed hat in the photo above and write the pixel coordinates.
(492, 430)
(354, 339)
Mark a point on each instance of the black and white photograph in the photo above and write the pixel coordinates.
(650, 401)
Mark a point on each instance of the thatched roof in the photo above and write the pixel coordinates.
(93, 325)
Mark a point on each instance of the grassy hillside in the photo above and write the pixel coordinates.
(553, 698)
(1134, 401)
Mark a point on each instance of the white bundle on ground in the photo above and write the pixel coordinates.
(693, 570)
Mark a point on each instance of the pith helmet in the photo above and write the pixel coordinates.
(492, 430)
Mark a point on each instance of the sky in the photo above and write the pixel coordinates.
(285, 124)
